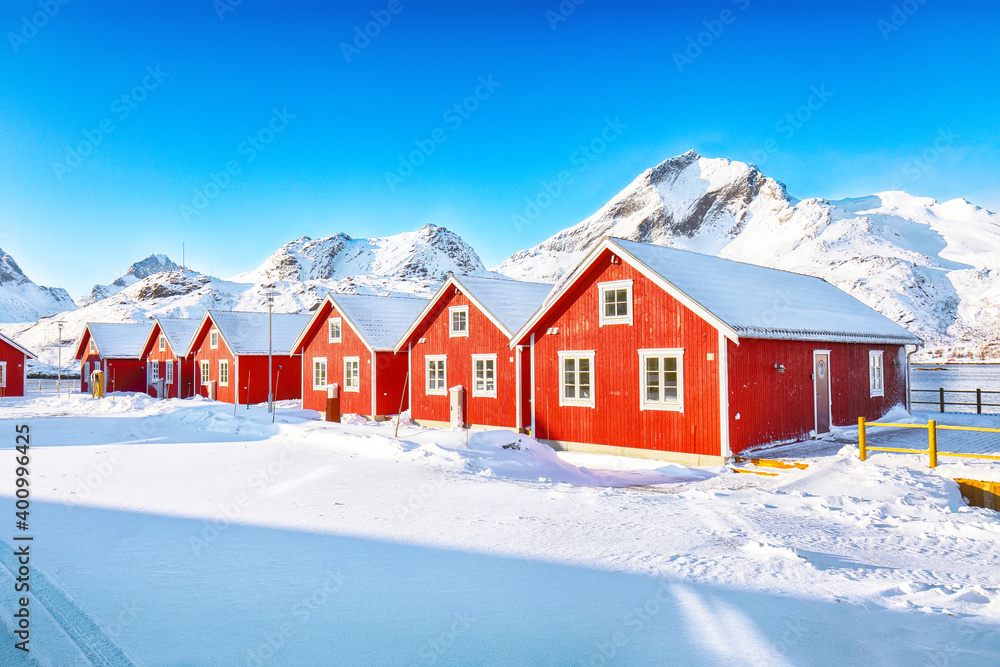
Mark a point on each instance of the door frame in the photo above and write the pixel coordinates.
(829, 393)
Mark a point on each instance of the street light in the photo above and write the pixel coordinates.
(59, 324)
(269, 295)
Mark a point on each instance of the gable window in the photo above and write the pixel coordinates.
(615, 302)
(576, 378)
(154, 370)
(336, 333)
(93, 347)
(437, 374)
(3, 373)
(213, 339)
(876, 382)
(661, 379)
(170, 372)
(163, 343)
(223, 372)
(484, 375)
(319, 373)
(204, 372)
(352, 374)
(458, 316)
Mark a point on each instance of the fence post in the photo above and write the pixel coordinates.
(932, 442)
(979, 401)
(862, 444)
(941, 395)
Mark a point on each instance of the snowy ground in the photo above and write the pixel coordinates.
(173, 533)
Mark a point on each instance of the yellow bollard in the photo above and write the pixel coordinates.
(932, 441)
(862, 445)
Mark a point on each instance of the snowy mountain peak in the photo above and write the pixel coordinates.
(21, 300)
(150, 266)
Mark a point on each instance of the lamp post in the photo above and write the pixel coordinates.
(269, 295)
(59, 324)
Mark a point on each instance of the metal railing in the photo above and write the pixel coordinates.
(932, 448)
(942, 403)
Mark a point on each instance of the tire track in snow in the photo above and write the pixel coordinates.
(89, 637)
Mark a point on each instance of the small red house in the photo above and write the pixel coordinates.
(13, 367)
(169, 368)
(663, 353)
(230, 356)
(349, 342)
(460, 341)
(116, 349)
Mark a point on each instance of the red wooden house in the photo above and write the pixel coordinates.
(13, 367)
(461, 340)
(230, 356)
(349, 342)
(663, 353)
(116, 349)
(169, 367)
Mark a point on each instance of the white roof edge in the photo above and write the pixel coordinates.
(194, 336)
(333, 300)
(450, 280)
(28, 353)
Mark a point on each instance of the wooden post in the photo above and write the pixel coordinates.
(941, 396)
(932, 442)
(333, 403)
(862, 441)
(979, 401)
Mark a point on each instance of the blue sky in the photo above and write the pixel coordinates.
(127, 129)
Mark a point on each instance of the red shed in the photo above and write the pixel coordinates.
(13, 367)
(349, 342)
(461, 339)
(116, 349)
(230, 356)
(169, 367)
(663, 353)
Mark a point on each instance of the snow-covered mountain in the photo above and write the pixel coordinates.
(934, 267)
(143, 269)
(22, 300)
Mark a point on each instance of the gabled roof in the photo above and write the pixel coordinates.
(116, 340)
(378, 321)
(507, 303)
(746, 300)
(27, 353)
(179, 332)
(246, 333)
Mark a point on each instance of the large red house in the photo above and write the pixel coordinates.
(349, 342)
(462, 369)
(169, 367)
(650, 351)
(13, 367)
(230, 356)
(116, 349)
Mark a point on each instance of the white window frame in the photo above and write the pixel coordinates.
(93, 346)
(660, 353)
(224, 364)
(577, 355)
(484, 393)
(602, 288)
(170, 373)
(339, 321)
(154, 370)
(347, 361)
(451, 324)
(325, 383)
(213, 339)
(876, 384)
(163, 343)
(443, 358)
(206, 371)
(3, 373)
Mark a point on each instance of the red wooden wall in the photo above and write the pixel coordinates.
(184, 381)
(202, 352)
(390, 382)
(253, 377)
(15, 369)
(317, 344)
(659, 321)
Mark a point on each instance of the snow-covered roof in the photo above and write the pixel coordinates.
(117, 340)
(744, 300)
(179, 332)
(379, 320)
(510, 302)
(28, 353)
(246, 333)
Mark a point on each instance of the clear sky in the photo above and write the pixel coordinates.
(128, 128)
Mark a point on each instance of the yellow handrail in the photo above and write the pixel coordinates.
(932, 450)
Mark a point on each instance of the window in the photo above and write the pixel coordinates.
(336, 335)
(484, 375)
(459, 318)
(204, 372)
(352, 374)
(3, 373)
(437, 374)
(223, 372)
(616, 302)
(93, 347)
(875, 378)
(163, 343)
(661, 380)
(170, 372)
(154, 370)
(213, 339)
(319, 373)
(576, 382)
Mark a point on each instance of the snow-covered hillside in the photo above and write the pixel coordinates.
(22, 300)
(933, 267)
(143, 269)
